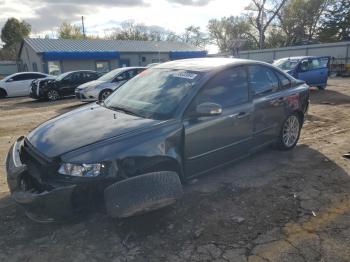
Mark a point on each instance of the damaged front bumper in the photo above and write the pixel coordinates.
(46, 206)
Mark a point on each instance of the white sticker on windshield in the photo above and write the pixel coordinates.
(186, 75)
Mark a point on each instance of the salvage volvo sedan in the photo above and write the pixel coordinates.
(170, 123)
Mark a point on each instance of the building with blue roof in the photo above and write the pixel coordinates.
(55, 56)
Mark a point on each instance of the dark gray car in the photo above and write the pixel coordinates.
(170, 123)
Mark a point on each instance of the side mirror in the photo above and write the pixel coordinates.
(208, 109)
(10, 80)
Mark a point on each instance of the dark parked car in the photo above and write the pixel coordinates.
(61, 86)
(172, 122)
(311, 69)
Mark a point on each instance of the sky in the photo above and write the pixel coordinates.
(101, 16)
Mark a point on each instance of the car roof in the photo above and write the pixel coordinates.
(77, 71)
(20, 73)
(299, 57)
(123, 69)
(130, 68)
(204, 64)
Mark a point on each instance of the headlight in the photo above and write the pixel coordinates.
(89, 88)
(81, 170)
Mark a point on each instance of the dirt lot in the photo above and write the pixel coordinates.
(272, 206)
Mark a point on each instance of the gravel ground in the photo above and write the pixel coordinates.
(271, 206)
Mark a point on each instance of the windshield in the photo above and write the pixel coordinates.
(286, 64)
(60, 77)
(111, 75)
(154, 93)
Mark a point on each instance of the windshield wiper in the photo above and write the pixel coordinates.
(124, 110)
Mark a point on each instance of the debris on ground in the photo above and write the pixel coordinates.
(347, 155)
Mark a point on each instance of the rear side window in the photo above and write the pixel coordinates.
(19, 77)
(22, 77)
(89, 75)
(315, 64)
(284, 81)
(228, 88)
(324, 62)
(34, 76)
(262, 80)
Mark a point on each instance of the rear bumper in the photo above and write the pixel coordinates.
(45, 206)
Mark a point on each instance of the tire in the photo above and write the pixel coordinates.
(291, 128)
(321, 87)
(104, 94)
(52, 95)
(142, 194)
(3, 93)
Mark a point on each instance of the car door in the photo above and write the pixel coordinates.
(268, 101)
(313, 72)
(65, 85)
(14, 85)
(214, 140)
(19, 85)
(76, 80)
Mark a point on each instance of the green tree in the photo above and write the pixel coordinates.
(230, 33)
(12, 34)
(70, 31)
(275, 37)
(336, 22)
(14, 31)
(300, 20)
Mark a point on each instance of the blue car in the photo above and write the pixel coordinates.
(312, 69)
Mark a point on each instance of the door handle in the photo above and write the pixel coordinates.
(241, 115)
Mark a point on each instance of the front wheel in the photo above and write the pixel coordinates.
(53, 95)
(104, 94)
(321, 87)
(143, 193)
(3, 93)
(290, 132)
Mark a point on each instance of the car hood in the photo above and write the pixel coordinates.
(83, 126)
(94, 83)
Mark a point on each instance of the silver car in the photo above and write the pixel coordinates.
(101, 88)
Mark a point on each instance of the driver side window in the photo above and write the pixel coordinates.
(228, 88)
(304, 65)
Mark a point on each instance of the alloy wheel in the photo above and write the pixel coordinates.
(291, 130)
(105, 94)
(53, 95)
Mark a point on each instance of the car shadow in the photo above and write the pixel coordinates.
(29, 103)
(233, 204)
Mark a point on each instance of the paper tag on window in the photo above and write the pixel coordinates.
(186, 75)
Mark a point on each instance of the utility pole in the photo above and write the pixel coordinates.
(82, 23)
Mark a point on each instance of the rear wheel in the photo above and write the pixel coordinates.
(321, 87)
(53, 95)
(290, 132)
(104, 94)
(3, 93)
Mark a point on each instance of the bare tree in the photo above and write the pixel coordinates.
(261, 13)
